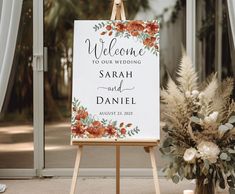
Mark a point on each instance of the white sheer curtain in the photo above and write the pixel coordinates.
(231, 9)
(0, 9)
(9, 23)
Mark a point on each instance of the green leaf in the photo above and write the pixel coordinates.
(231, 181)
(195, 169)
(200, 116)
(205, 168)
(231, 151)
(165, 128)
(222, 129)
(166, 150)
(223, 156)
(229, 125)
(195, 119)
(181, 172)
(231, 119)
(231, 190)
(222, 183)
(175, 179)
(167, 142)
(114, 123)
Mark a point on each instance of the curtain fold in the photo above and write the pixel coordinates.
(0, 9)
(9, 24)
(231, 10)
(231, 31)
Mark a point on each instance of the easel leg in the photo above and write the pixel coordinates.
(154, 168)
(76, 169)
(117, 169)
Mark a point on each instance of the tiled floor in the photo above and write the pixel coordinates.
(93, 186)
(17, 142)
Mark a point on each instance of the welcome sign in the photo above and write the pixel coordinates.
(116, 81)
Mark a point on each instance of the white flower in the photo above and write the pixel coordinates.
(207, 119)
(201, 95)
(211, 118)
(195, 93)
(188, 94)
(190, 155)
(208, 151)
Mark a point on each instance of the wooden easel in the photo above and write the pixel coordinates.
(118, 12)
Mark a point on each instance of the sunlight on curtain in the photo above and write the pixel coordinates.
(9, 23)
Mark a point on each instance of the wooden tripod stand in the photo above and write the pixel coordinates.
(149, 147)
(118, 12)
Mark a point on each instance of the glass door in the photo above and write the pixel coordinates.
(58, 28)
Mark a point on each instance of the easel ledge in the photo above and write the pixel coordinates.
(100, 142)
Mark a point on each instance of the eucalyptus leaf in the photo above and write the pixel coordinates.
(223, 129)
(167, 142)
(114, 123)
(222, 183)
(195, 169)
(181, 172)
(195, 119)
(231, 151)
(165, 128)
(223, 156)
(205, 168)
(231, 181)
(231, 119)
(175, 179)
(229, 125)
(231, 190)
(201, 116)
(166, 150)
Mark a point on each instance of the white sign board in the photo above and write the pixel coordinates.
(116, 81)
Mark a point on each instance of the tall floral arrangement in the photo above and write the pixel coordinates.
(200, 132)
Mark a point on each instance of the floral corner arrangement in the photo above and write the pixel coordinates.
(200, 130)
(85, 125)
(145, 32)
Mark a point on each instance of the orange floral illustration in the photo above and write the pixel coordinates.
(120, 27)
(81, 114)
(111, 130)
(84, 125)
(96, 130)
(78, 129)
(123, 131)
(147, 32)
(135, 27)
(149, 41)
(152, 28)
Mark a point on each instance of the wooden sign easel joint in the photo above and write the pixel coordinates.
(118, 13)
